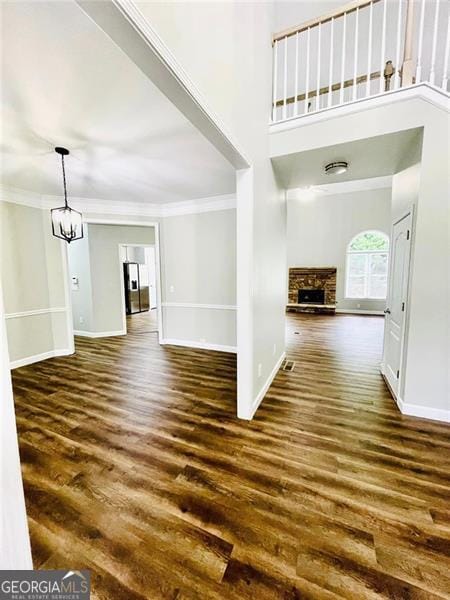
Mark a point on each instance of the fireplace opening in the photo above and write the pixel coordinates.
(311, 296)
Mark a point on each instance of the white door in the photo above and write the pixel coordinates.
(396, 305)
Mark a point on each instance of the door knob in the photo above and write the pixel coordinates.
(387, 311)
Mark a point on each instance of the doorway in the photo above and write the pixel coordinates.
(140, 297)
(96, 266)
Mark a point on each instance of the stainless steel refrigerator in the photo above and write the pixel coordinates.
(137, 297)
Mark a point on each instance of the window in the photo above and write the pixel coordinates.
(367, 266)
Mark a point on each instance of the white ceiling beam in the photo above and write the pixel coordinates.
(123, 22)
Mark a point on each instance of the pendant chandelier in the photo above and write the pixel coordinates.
(67, 223)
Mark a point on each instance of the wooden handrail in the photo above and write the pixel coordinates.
(339, 12)
(334, 88)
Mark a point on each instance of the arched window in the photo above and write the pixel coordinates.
(367, 266)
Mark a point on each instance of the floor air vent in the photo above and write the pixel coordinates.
(288, 365)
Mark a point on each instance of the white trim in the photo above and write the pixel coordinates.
(263, 391)
(199, 345)
(92, 206)
(359, 311)
(193, 305)
(423, 412)
(108, 221)
(200, 205)
(28, 360)
(245, 290)
(367, 274)
(22, 197)
(170, 209)
(432, 94)
(98, 334)
(32, 313)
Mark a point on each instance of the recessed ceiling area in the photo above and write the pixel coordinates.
(65, 83)
(368, 158)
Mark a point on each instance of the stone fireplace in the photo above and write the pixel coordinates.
(312, 289)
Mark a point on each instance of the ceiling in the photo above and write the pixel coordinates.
(66, 83)
(368, 158)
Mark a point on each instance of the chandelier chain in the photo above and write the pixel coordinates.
(64, 180)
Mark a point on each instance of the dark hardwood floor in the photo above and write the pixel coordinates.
(136, 468)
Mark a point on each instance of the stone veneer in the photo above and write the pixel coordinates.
(312, 278)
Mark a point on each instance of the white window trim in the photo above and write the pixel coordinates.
(367, 253)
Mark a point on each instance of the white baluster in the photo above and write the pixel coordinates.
(296, 76)
(319, 35)
(383, 47)
(419, 51)
(433, 52)
(275, 81)
(446, 58)
(308, 40)
(408, 67)
(344, 33)
(397, 82)
(285, 78)
(355, 65)
(330, 73)
(369, 50)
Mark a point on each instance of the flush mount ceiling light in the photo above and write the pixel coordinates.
(67, 223)
(336, 168)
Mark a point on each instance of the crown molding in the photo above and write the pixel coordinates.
(200, 205)
(23, 197)
(95, 206)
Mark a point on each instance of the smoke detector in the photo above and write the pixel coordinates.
(336, 168)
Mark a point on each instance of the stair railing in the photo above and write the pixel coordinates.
(365, 48)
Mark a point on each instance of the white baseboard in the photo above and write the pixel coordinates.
(200, 345)
(358, 311)
(29, 360)
(424, 412)
(263, 391)
(97, 334)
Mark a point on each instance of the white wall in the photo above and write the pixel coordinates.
(80, 267)
(15, 550)
(198, 262)
(32, 271)
(428, 350)
(199, 278)
(320, 229)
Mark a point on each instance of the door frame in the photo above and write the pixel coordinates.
(409, 211)
(157, 281)
(157, 246)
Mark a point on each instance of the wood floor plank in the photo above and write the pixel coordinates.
(136, 467)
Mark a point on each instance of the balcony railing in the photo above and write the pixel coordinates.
(364, 49)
